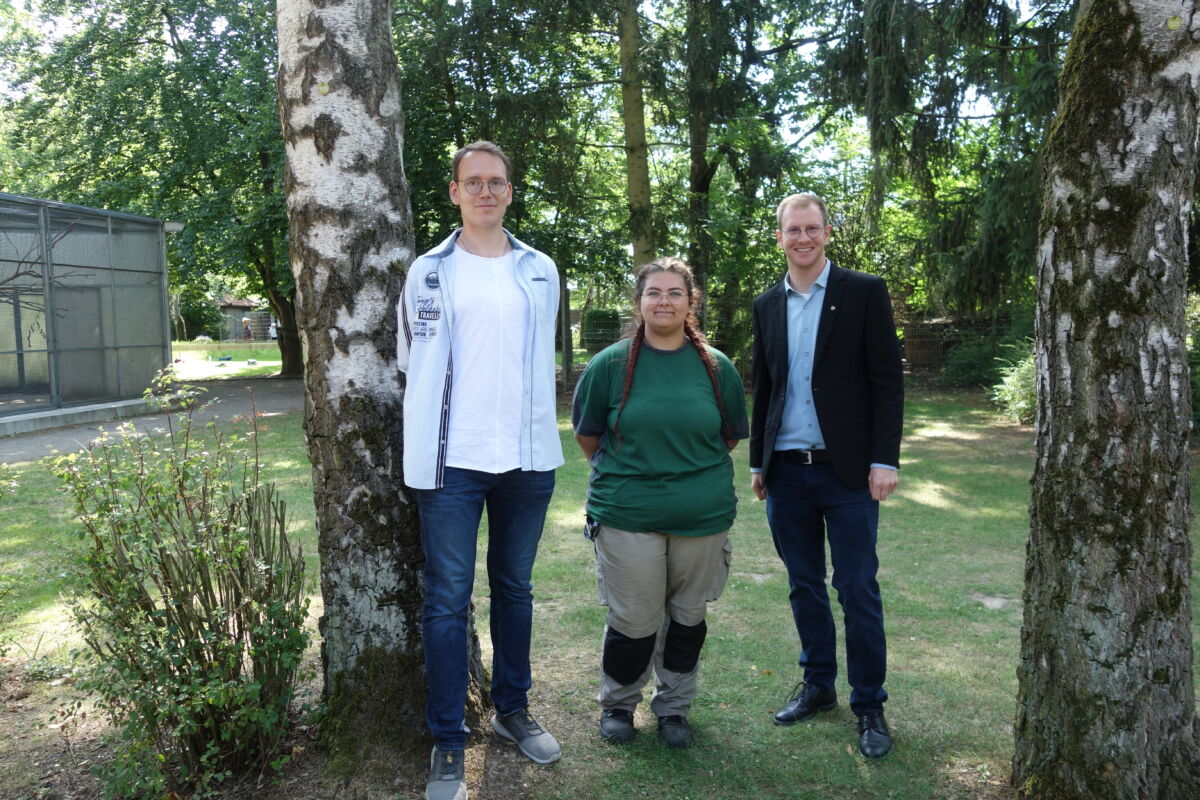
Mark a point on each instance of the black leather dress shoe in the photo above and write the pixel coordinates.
(874, 738)
(805, 702)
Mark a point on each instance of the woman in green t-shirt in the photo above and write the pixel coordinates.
(657, 415)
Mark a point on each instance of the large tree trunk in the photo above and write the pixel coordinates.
(1106, 706)
(283, 303)
(637, 167)
(702, 69)
(351, 241)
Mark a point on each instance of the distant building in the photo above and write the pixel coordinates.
(238, 310)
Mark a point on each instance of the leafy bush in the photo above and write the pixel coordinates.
(199, 315)
(1194, 366)
(1193, 342)
(1016, 393)
(7, 614)
(971, 362)
(192, 608)
(600, 328)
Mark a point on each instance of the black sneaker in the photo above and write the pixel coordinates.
(616, 725)
(446, 777)
(674, 731)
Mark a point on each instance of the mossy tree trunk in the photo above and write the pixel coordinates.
(633, 114)
(1106, 706)
(351, 241)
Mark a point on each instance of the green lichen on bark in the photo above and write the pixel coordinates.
(1090, 94)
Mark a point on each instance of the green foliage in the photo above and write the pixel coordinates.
(1193, 342)
(7, 484)
(191, 605)
(1016, 393)
(971, 362)
(199, 315)
(977, 354)
(7, 581)
(600, 328)
(7, 613)
(164, 110)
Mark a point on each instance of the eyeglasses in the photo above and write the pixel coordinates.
(674, 295)
(811, 231)
(474, 186)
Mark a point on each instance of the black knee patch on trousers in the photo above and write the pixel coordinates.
(681, 651)
(625, 659)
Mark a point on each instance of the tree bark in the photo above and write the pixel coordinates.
(702, 70)
(351, 242)
(637, 167)
(1106, 706)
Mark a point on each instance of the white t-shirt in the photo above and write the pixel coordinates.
(487, 343)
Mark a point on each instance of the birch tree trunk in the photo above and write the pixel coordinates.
(351, 241)
(1105, 705)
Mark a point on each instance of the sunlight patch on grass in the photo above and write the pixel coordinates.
(46, 630)
(928, 493)
(943, 430)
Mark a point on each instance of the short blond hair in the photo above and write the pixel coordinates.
(480, 147)
(800, 200)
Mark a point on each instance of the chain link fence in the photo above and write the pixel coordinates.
(83, 304)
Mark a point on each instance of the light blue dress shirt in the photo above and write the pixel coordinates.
(799, 428)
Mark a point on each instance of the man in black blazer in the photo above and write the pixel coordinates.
(824, 450)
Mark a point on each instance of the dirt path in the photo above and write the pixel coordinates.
(232, 398)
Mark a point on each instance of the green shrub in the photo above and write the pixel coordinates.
(1016, 393)
(1194, 367)
(7, 614)
(199, 315)
(600, 328)
(192, 605)
(971, 362)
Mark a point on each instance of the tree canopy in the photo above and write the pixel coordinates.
(919, 121)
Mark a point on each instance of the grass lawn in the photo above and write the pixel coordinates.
(951, 544)
(195, 361)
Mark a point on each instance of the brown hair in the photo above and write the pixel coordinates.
(480, 147)
(691, 330)
(801, 200)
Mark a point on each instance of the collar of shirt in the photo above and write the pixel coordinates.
(821, 281)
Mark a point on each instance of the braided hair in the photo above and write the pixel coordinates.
(691, 330)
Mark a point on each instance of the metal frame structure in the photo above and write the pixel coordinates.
(104, 326)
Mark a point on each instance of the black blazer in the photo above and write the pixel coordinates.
(857, 381)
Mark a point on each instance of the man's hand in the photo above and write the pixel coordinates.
(882, 482)
(756, 485)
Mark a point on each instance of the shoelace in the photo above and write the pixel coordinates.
(529, 723)
(447, 769)
(869, 722)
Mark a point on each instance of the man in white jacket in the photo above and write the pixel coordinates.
(477, 319)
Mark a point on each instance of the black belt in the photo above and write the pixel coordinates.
(803, 456)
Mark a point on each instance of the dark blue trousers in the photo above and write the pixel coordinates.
(805, 505)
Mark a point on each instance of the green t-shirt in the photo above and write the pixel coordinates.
(669, 470)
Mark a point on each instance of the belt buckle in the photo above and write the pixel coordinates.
(806, 457)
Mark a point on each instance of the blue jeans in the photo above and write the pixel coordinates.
(516, 505)
(803, 504)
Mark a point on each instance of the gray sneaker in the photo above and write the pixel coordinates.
(533, 740)
(446, 778)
